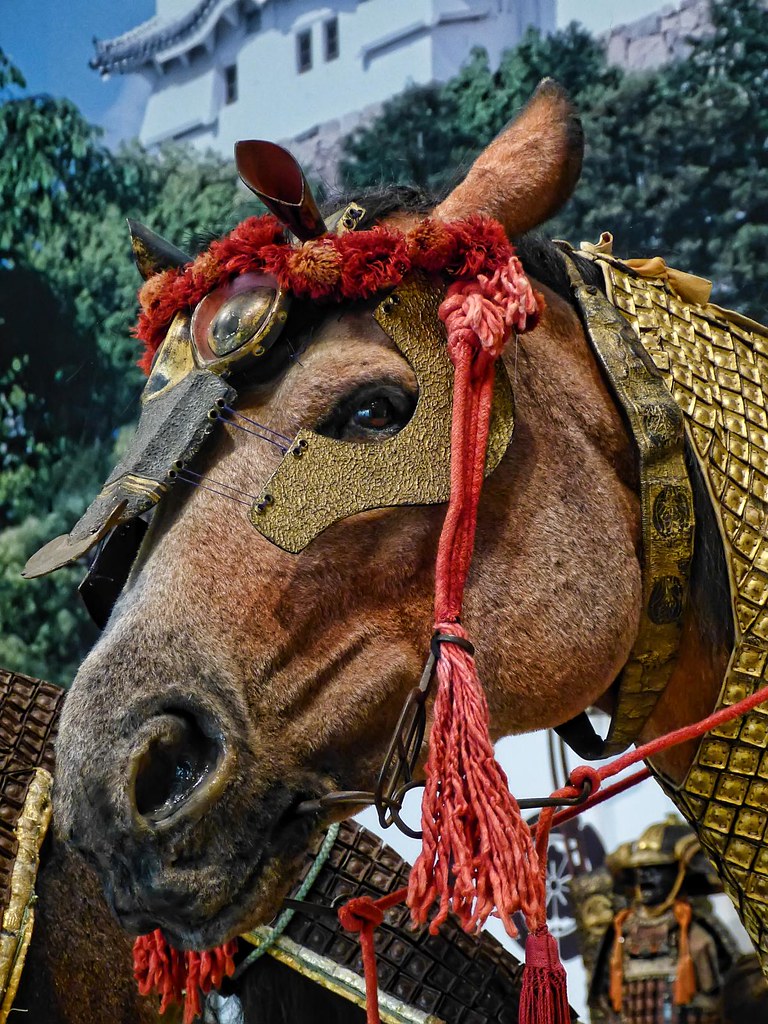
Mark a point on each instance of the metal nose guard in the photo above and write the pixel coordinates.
(172, 428)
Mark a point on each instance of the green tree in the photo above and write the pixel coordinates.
(68, 379)
(427, 135)
(676, 159)
(409, 143)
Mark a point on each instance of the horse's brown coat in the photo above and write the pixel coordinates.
(303, 661)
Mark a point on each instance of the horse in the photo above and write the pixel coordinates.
(238, 682)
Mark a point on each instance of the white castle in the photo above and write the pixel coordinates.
(220, 70)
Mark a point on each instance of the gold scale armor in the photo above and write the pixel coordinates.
(715, 364)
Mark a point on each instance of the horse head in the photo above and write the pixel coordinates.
(267, 636)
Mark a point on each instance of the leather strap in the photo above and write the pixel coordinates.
(656, 426)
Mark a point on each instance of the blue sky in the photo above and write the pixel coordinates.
(50, 41)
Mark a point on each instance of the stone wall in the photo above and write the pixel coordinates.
(658, 38)
(319, 149)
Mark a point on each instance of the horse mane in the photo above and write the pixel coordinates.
(541, 257)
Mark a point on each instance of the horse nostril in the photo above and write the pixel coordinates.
(173, 765)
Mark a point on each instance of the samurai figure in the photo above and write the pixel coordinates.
(663, 956)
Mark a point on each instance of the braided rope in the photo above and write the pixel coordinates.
(264, 938)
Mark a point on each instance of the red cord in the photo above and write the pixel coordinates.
(363, 915)
(360, 918)
(642, 753)
(477, 856)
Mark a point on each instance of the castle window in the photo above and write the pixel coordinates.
(253, 20)
(230, 84)
(331, 34)
(304, 50)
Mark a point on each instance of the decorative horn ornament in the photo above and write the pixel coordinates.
(273, 174)
(152, 252)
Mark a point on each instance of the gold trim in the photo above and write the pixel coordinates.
(18, 918)
(339, 980)
(656, 426)
(144, 486)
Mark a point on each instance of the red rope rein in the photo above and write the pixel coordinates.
(548, 820)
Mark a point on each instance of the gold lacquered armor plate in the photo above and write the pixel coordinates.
(330, 479)
(657, 427)
(715, 365)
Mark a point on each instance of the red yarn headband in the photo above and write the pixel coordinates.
(355, 265)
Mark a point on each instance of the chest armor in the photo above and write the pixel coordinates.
(715, 364)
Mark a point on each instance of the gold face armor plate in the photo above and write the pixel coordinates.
(322, 480)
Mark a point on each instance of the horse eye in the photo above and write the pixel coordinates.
(377, 414)
(370, 414)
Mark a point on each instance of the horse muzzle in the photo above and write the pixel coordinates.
(183, 834)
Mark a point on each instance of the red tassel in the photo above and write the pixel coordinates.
(180, 977)
(477, 854)
(544, 996)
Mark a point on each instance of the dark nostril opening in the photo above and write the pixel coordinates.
(174, 763)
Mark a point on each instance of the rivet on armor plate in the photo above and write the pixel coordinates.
(731, 789)
(719, 818)
(755, 730)
(744, 762)
(750, 824)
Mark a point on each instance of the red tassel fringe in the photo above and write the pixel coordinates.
(544, 997)
(477, 852)
(180, 977)
(477, 855)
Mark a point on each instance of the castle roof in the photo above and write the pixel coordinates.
(163, 37)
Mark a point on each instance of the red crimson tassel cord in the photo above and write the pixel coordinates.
(160, 968)
(478, 856)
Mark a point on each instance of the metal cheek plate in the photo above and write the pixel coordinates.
(172, 428)
(323, 480)
(174, 360)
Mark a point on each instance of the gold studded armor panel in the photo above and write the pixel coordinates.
(715, 364)
(29, 715)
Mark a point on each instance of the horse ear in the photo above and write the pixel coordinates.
(151, 252)
(529, 171)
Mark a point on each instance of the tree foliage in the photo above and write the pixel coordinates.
(68, 380)
(676, 164)
(676, 159)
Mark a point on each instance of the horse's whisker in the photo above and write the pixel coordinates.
(219, 483)
(213, 490)
(231, 423)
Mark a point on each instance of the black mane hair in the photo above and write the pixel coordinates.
(542, 258)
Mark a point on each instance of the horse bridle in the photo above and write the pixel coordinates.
(307, 492)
